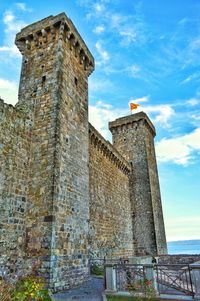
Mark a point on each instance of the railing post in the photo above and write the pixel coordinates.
(150, 274)
(111, 283)
(104, 272)
(196, 279)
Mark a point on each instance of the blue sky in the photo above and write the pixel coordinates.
(148, 51)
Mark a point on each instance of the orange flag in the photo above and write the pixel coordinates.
(133, 106)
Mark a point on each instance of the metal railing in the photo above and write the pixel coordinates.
(162, 279)
(129, 276)
(175, 279)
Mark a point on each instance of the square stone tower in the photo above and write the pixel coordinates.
(54, 89)
(133, 137)
(65, 191)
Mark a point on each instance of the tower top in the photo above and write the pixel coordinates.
(48, 29)
(130, 120)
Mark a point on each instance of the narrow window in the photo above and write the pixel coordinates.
(43, 80)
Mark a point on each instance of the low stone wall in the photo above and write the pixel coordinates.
(178, 259)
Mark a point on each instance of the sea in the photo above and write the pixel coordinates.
(184, 247)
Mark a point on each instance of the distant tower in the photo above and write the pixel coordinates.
(133, 137)
(54, 88)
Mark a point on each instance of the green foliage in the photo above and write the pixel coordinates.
(116, 298)
(30, 288)
(97, 270)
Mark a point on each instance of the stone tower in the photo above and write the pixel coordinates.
(133, 137)
(54, 89)
(65, 191)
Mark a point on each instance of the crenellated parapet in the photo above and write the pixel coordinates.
(17, 111)
(51, 29)
(8, 108)
(108, 150)
(134, 122)
(4, 105)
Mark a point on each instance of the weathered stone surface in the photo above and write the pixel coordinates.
(65, 192)
(179, 259)
(14, 160)
(133, 138)
(110, 206)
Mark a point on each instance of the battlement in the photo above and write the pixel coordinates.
(17, 111)
(58, 27)
(109, 151)
(131, 121)
(5, 107)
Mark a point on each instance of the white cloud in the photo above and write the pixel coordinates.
(160, 114)
(180, 150)
(8, 91)
(195, 44)
(95, 9)
(173, 150)
(182, 228)
(141, 99)
(195, 76)
(196, 117)
(130, 28)
(8, 17)
(193, 101)
(99, 29)
(99, 7)
(104, 56)
(129, 35)
(96, 85)
(6, 84)
(12, 26)
(116, 20)
(12, 50)
(22, 6)
(187, 79)
(126, 26)
(101, 113)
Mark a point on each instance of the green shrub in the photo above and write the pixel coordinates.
(30, 288)
(97, 270)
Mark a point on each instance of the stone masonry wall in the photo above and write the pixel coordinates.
(65, 192)
(70, 247)
(111, 232)
(56, 65)
(133, 137)
(14, 174)
(155, 195)
(179, 259)
(38, 93)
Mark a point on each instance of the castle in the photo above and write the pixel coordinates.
(67, 194)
